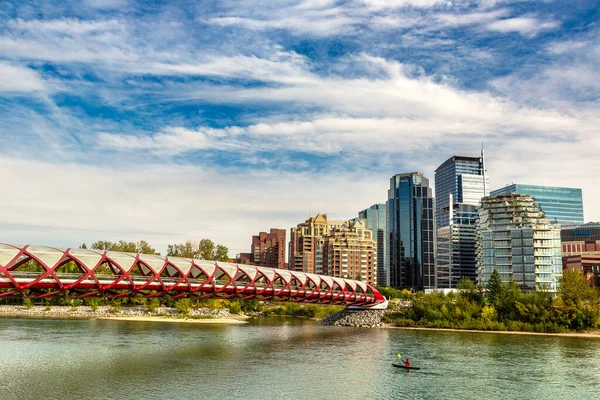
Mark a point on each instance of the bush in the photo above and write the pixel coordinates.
(93, 304)
(27, 302)
(234, 307)
(252, 305)
(183, 306)
(115, 307)
(153, 305)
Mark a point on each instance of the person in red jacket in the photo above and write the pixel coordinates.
(407, 363)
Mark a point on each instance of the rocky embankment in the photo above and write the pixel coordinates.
(106, 311)
(361, 319)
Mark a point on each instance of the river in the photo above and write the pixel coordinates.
(284, 359)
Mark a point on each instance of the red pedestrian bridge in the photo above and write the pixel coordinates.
(43, 271)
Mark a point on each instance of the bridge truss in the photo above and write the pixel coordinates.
(42, 271)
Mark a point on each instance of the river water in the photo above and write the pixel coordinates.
(284, 359)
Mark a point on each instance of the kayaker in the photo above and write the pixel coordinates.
(407, 363)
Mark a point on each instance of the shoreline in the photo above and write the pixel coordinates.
(134, 314)
(588, 335)
(227, 321)
(150, 318)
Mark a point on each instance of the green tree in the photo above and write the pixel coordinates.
(221, 253)
(128, 247)
(144, 248)
(574, 287)
(469, 290)
(83, 246)
(206, 249)
(187, 250)
(494, 287)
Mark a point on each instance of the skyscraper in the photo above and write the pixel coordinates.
(460, 183)
(561, 205)
(411, 228)
(375, 221)
(515, 239)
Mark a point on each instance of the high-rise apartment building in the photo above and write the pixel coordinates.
(350, 252)
(411, 227)
(374, 218)
(561, 205)
(268, 249)
(306, 244)
(460, 183)
(516, 239)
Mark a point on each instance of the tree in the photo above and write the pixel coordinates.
(469, 290)
(187, 250)
(206, 249)
(574, 287)
(221, 253)
(494, 287)
(128, 247)
(83, 246)
(144, 248)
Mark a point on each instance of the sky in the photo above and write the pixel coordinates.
(174, 121)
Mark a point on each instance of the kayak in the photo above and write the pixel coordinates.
(404, 366)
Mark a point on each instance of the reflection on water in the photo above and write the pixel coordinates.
(284, 359)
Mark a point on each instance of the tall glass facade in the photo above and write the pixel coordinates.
(459, 187)
(411, 228)
(561, 205)
(515, 239)
(375, 220)
(461, 176)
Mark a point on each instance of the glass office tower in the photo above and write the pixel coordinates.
(561, 205)
(375, 220)
(459, 187)
(411, 228)
(515, 239)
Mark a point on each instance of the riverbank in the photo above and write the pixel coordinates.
(373, 319)
(161, 314)
(180, 319)
(594, 335)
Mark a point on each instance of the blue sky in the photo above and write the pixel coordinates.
(169, 121)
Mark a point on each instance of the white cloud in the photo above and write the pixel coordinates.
(526, 26)
(399, 96)
(567, 46)
(387, 4)
(65, 26)
(167, 203)
(284, 67)
(473, 18)
(570, 80)
(18, 79)
(109, 45)
(300, 21)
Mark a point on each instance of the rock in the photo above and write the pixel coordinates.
(362, 318)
